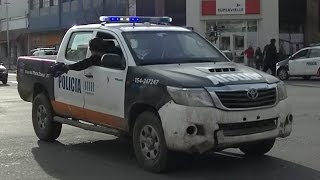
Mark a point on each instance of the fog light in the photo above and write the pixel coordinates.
(192, 130)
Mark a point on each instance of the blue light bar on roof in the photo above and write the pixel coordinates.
(135, 19)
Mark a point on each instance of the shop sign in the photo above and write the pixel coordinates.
(230, 7)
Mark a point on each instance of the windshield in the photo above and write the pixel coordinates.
(170, 47)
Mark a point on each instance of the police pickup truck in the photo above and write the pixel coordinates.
(169, 90)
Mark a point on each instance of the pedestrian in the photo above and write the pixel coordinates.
(250, 56)
(258, 58)
(270, 60)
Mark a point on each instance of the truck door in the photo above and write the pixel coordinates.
(105, 88)
(297, 64)
(69, 88)
(313, 62)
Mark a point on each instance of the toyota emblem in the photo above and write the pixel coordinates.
(252, 94)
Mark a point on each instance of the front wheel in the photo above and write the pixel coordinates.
(149, 143)
(258, 148)
(5, 81)
(283, 74)
(42, 119)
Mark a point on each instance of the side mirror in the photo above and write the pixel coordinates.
(1, 64)
(113, 61)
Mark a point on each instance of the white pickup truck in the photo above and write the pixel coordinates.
(169, 90)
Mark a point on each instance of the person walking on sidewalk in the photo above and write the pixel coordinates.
(250, 56)
(270, 60)
(259, 58)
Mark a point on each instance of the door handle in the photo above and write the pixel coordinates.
(89, 75)
(118, 79)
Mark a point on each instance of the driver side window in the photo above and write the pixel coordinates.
(112, 46)
(301, 55)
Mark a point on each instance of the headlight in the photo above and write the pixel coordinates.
(198, 97)
(282, 91)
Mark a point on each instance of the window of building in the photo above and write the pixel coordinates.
(54, 2)
(252, 26)
(78, 46)
(41, 3)
(46, 3)
(34, 4)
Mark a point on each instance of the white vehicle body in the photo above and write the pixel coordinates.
(201, 106)
(304, 63)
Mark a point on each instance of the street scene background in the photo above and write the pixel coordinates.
(29, 24)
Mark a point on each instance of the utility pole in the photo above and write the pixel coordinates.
(8, 40)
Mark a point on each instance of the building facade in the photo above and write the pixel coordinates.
(312, 27)
(18, 23)
(239, 23)
(173, 8)
(50, 19)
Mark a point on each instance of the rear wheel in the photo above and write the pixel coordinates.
(306, 77)
(149, 143)
(258, 148)
(283, 74)
(42, 118)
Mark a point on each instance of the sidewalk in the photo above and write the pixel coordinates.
(13, 69)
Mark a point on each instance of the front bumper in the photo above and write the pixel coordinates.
(199, 129)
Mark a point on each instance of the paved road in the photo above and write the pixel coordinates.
(81, 154)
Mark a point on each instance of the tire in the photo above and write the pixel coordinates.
(5, 81)
(42, 119)
(283, 74)
(306, 77)
(258, 148)
(155, 157)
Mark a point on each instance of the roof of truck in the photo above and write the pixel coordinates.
(125, 27)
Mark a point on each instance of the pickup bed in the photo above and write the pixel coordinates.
(169, 90)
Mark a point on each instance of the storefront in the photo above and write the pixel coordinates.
(240, 23)
(46, 39)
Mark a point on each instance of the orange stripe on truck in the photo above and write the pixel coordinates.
(89, 115)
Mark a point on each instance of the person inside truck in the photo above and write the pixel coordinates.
(96, 47)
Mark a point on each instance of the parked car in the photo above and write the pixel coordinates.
(44, 51)
(304, 63)
(3, 74)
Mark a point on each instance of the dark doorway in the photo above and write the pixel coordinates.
(145, 7)
(177, 10)
(292, 15)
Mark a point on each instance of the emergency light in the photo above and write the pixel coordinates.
(135, 19)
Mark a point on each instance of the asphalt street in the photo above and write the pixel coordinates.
(80, 154)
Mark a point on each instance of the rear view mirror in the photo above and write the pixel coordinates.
(113, 61)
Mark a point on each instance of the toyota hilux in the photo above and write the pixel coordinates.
(168, 90)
